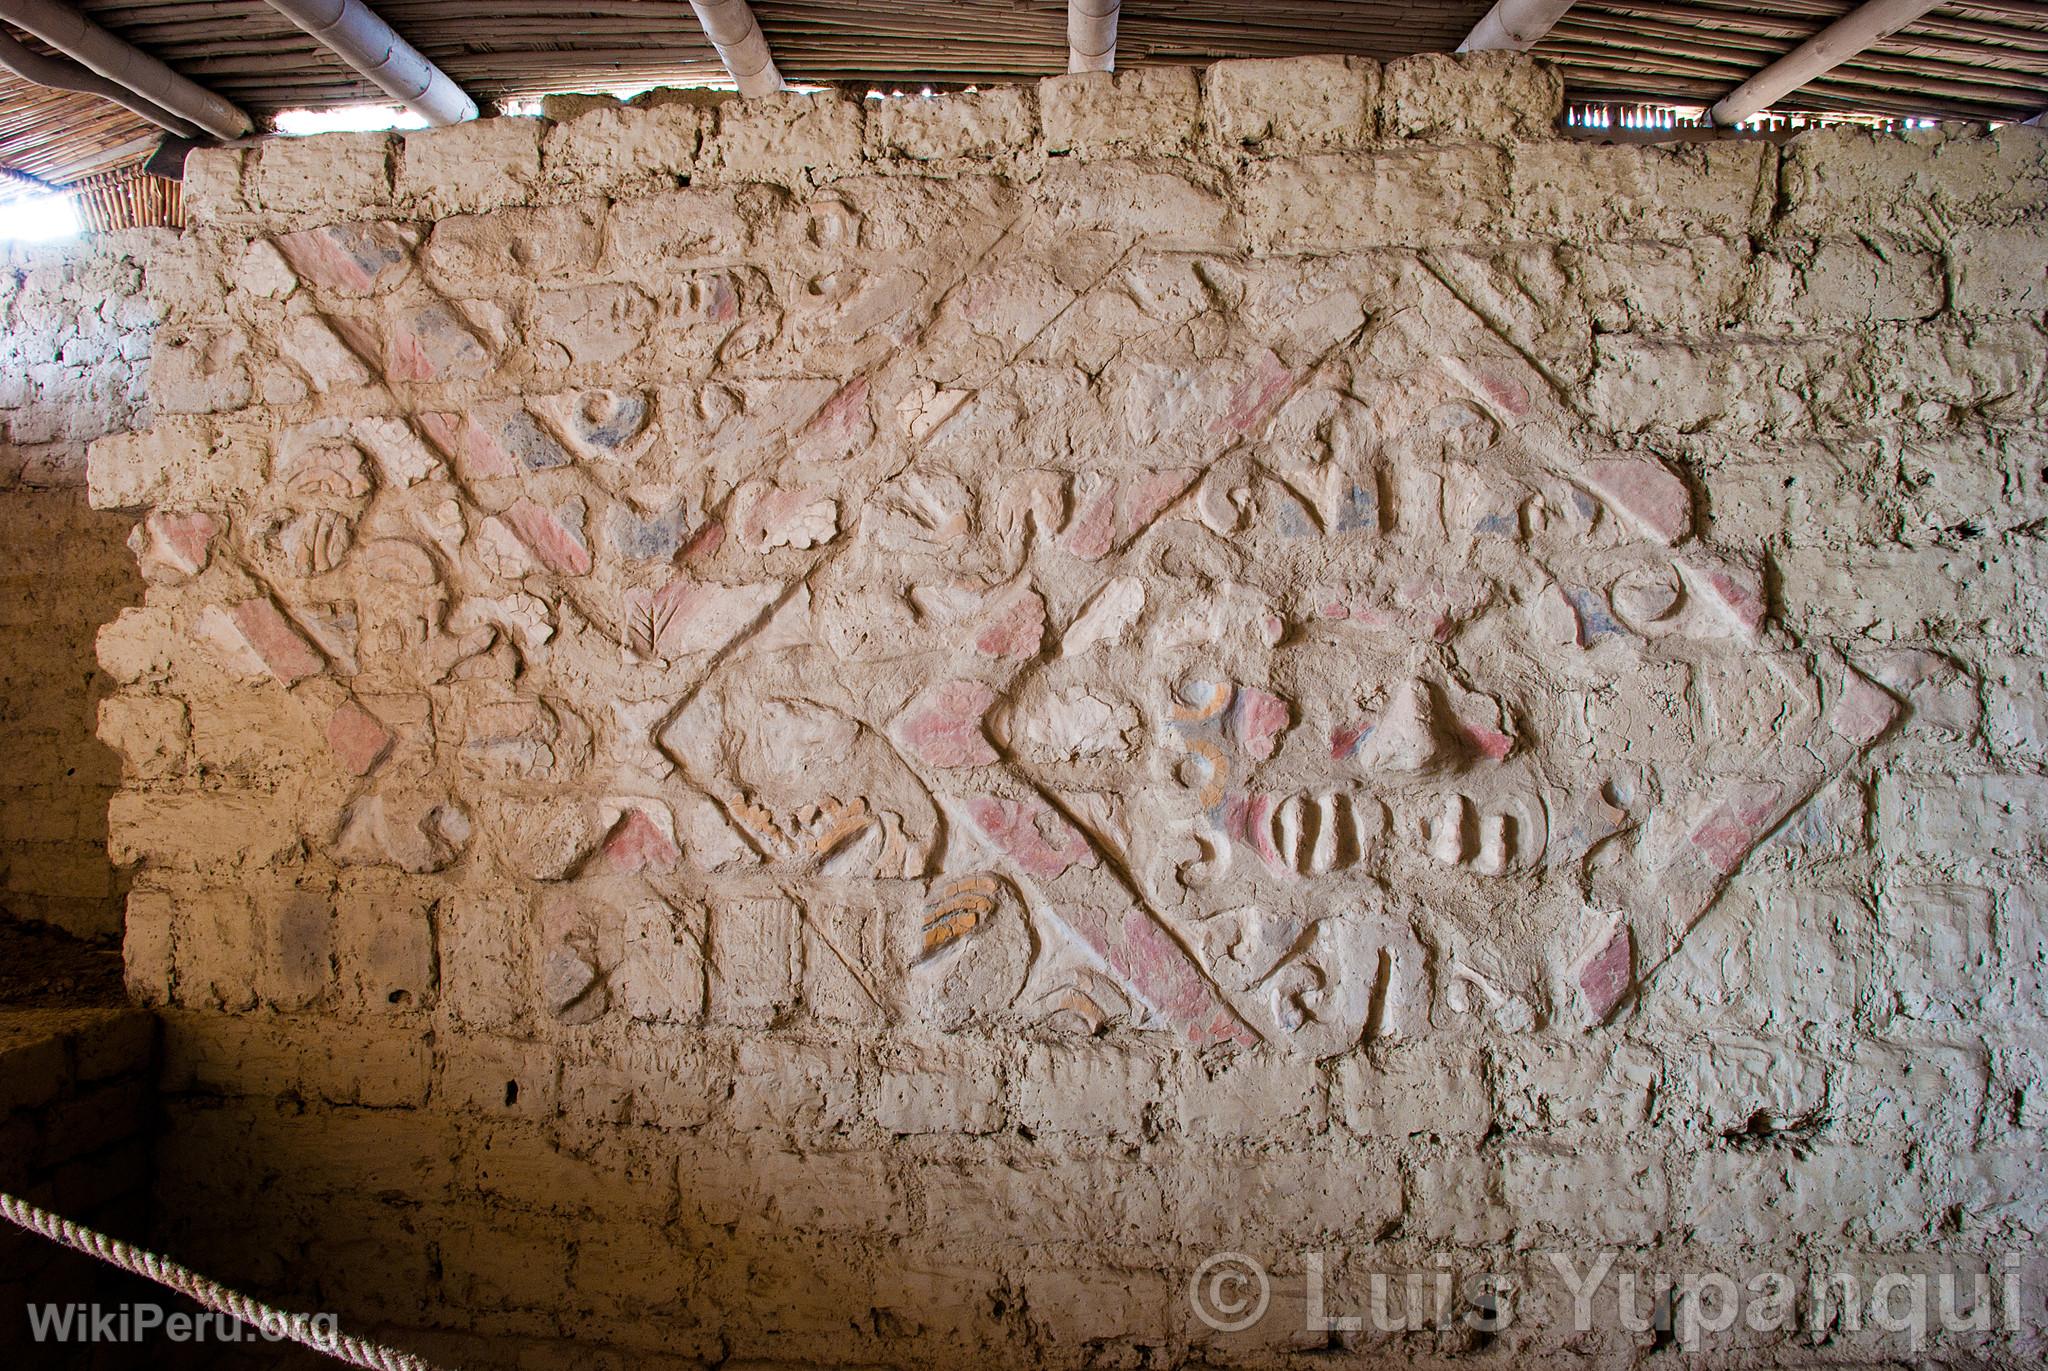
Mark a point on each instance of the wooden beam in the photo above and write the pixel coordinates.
(1091, 34)
(1514, 25)
(1826, 50)
(733, 30)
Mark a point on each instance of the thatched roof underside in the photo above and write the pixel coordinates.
(1986, 60)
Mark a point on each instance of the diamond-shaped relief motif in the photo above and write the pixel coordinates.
(1253, 650)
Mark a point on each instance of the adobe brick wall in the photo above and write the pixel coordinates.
(836, 733)
(75, 331)
(77, 1091)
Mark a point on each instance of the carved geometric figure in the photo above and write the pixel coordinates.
(756, 960)
(315, 542)
(1076, 723)
(333, 470)
(572, 987)
(1358, 972)
(321, 354)
(768, 517)
(602, 425)
(1106, 617)
(1409, 739)
(401, 458)
(1646, 595)
(659, 976)
(413, 831)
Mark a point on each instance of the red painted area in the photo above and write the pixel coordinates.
(1261, 718)
(845, 413)
(1032, 834)
(290, 658)
(1016, 629)
(942, 726)
(409, 359)
(636, 843)
(183, 540)
(358, 737)
(476, 454)
(1256, 395)
(322, 257)
(552, 544)
(1510, 395)
(1093, 531)
(1249, 819)
(707, 541)
(1647, 491)
(1160, 972)
(1490, 743)
(1604, 977)
(1727, 834)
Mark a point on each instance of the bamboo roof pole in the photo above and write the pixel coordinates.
(1826, 50)
(60, 73)
(736, 34)
(92, 46)
(1514, 25)
(1091, 34)
(360, 38)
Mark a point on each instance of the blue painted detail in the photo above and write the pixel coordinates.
(1593, 616)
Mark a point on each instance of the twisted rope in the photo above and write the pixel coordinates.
(299, 1328)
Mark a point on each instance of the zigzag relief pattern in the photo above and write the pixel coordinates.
(944, 615)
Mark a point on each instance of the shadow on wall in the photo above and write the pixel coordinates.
(75, 335)
(489, 1243)
(65, 570)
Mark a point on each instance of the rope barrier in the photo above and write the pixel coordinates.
(300, 1328)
